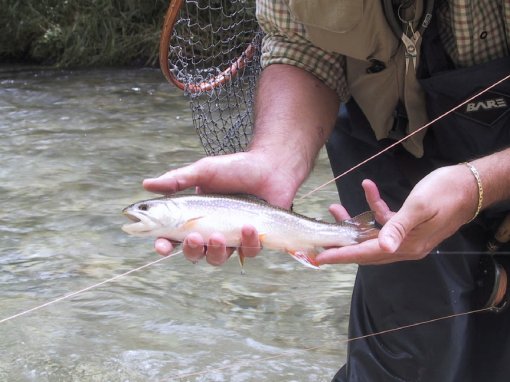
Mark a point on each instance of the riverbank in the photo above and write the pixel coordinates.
(77, 33)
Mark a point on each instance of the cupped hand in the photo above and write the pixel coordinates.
(435, 209)
(241, 173)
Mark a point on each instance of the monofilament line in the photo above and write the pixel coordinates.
(72, 294)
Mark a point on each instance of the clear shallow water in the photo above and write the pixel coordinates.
(75, 148)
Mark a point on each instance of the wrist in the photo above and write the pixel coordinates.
(494, 172)
(276, 179)
(479, 186)
(283, 161)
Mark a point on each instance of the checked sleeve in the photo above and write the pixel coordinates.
(285, 42)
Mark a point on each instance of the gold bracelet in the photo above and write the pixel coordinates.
(476, 174)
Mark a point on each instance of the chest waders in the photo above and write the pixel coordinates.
(468, 348)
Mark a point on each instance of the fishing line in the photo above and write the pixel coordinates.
(72, 294)
(406, 137)
(348, 340)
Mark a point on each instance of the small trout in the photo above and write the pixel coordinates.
(177, 216)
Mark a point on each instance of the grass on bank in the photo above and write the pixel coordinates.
(80, 33)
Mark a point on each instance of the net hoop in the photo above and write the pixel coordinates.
(222, 78)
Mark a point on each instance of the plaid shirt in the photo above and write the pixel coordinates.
(473, 32)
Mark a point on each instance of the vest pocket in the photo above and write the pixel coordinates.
(477, 128)
(338, 16)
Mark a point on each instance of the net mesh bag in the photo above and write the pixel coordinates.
(211, 50)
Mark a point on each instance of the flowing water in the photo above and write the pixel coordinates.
(75, 146)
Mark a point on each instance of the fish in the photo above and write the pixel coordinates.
(174, 217)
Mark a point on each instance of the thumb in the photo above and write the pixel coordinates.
(175, 180)
(393, 233)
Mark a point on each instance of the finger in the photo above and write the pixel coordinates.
(250, 244)
(174, 181)
(394, 232)
(193, 247)
(339, 212)
(217, 253)
(376, 203)
(368, 252)
(163, 246)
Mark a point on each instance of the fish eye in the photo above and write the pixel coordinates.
(143, 207)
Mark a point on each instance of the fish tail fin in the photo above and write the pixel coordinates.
(365, 225)
(307, 258)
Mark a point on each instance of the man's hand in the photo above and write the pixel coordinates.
(435, 209)
(245, 173)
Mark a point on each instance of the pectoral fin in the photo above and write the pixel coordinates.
(241, 258)
(190, 224)
(307, 258)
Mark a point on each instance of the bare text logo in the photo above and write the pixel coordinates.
(489, 104)
(488, 109)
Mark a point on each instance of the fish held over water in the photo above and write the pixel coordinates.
(177, 216)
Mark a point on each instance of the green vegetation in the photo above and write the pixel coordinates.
(79, 33)
(84, 33)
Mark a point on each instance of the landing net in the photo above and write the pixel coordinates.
(211, 50)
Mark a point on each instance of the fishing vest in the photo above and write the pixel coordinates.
(375, 61)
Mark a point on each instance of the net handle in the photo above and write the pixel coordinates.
(171, 17)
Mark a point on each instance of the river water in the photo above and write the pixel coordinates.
(75, 146)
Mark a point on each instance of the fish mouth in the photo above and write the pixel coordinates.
(131, 217)
(140, 224)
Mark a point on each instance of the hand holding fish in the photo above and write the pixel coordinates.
(438, 205)
(248, 173)
(241, 173)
